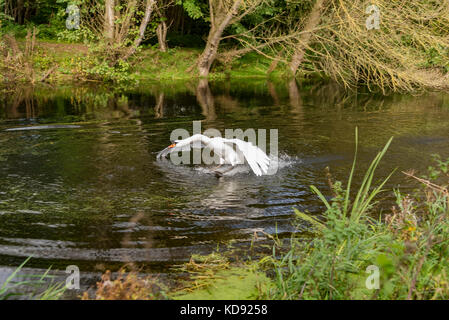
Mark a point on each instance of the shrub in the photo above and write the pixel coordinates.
(410, 247)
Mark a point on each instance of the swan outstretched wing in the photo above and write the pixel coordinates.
(256, 158)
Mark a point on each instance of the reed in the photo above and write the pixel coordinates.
(43, 289)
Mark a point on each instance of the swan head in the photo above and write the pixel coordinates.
(167, 150)
(174, 143)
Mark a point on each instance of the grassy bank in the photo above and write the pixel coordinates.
(30, 60)
(361, 254)
(400, 46)
(35, 287)
(58, 62)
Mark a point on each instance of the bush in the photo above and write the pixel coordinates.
(410, 248)
(126, 286)
(102, 64)
(409, 50)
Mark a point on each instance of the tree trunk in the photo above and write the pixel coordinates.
(109, 20)
(275, 62)
(19, 12)
(209, 54)
(161, 32)
(143, 26)
(213, 40)
(312, 21)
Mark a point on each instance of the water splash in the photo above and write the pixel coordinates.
(276, 163)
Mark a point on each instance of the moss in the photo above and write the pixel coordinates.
(214, 277)
(236, 283)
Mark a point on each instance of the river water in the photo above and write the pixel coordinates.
(93, 194)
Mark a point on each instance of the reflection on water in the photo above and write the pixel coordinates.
(95, 195)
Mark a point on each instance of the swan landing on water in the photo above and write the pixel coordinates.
(224, 149)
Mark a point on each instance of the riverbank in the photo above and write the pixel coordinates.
(65, 63)
(381, 52)
(36, 61)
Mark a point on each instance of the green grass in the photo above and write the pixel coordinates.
(213, 277)
(175, 64)
(43, 290)
(236, 283)
(147, 65)
(172, 65)
(410, 246)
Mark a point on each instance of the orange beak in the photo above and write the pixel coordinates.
(172, 145)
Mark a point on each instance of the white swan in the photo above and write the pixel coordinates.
(224, 149)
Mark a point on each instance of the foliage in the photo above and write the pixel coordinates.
(96, 65)
(126, 286)
(83, 35)
(212, 277)
(194, 8)
(8, 289)
(329, 266)
(410, 248)
(17, 62)
(409, 50)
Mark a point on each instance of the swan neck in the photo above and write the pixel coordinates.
(201, 138)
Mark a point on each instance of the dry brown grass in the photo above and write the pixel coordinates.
(17, 62)
(126, 286)
(397, 57)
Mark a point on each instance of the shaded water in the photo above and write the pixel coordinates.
(95, 196)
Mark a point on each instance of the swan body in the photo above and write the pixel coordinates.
(224, 149)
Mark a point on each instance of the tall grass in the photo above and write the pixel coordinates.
(363, 200)
(13, 287)
(410, 246)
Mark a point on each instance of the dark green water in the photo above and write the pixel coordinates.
(95, 196)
